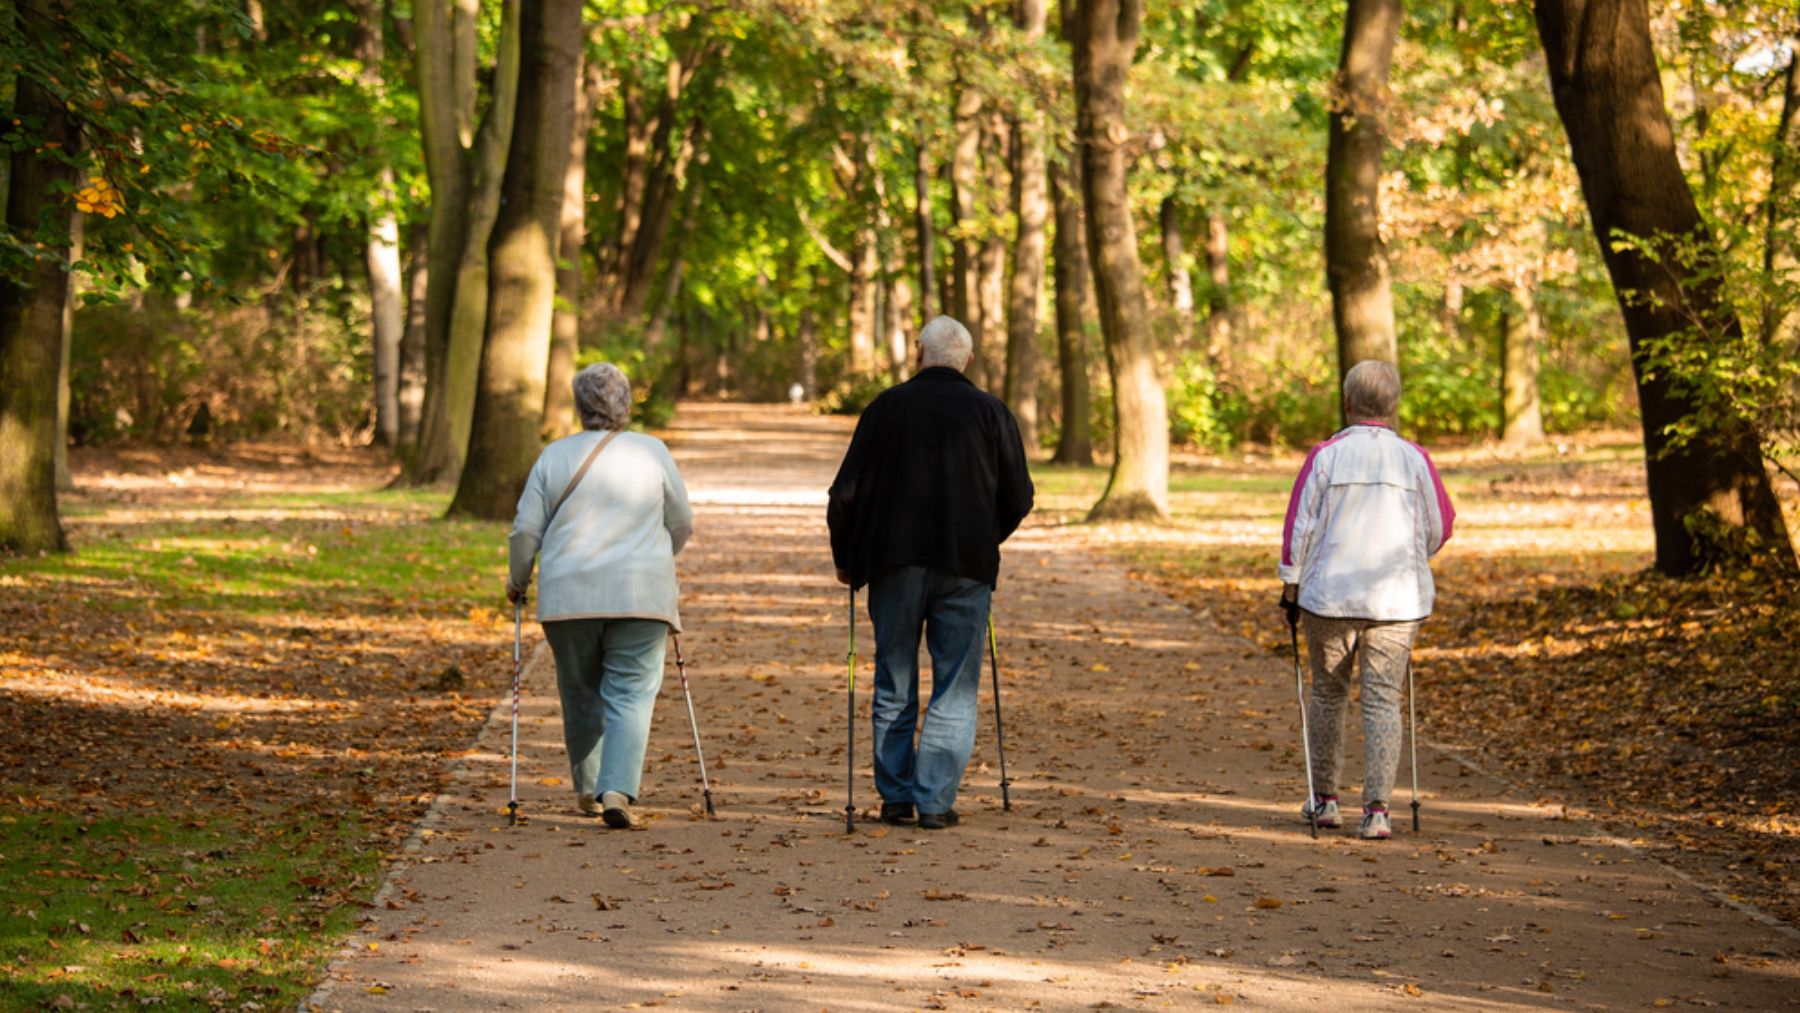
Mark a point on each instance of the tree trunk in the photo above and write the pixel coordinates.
(1778, 243)
(381, 251)
(464, 165)
(31, 315)
(1181, 286)
(1218, 290)
(1710, 497)
(509, 397)
(1105, 37)
(387, 318)
(1521, 416)
(565, 328)
(1356, 264)
(1031, 207)
(65, 482)
(863, 268)
(411, 395)
(806, 344)
(1075, 444)
(926, 234)
(965, 182)
(990, 351)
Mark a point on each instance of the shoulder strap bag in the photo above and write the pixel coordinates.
(580, 473)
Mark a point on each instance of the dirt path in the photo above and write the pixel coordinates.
(1151, 859)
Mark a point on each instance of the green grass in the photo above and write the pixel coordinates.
(279, 554)
(140, 909)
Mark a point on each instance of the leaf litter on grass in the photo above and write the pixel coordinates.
(245, 645)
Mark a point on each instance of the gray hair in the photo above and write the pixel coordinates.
(602, 397)
(1371, 390)
(945, 342)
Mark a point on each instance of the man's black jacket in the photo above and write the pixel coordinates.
(935, 476)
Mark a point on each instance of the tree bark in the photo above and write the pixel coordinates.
(565, 327)
(1105, 37)
(863, 268)
(1031, 208)
(465, 166)
(1075, 443)
(1521, 415)
(1710, 498)
(990, 351)
(1181, 286)
(927, 237)
(1777, 205)
(509, 397)
(65, 482)
(1356, 263)
(31, 317)
(411, 396)
(381, 251)
(1218, 290)
(965, 182)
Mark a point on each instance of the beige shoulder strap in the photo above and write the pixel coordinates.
(580, 473)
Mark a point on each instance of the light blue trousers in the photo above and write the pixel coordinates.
(608, 672)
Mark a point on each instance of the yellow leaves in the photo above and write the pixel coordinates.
(99, 197)
(1268, 903)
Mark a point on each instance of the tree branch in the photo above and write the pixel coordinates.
(832, 253)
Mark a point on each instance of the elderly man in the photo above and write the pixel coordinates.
(609, 511)
(1366, 515)
(934, 480)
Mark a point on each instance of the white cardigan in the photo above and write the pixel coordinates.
(1367, 513)
(610, 551)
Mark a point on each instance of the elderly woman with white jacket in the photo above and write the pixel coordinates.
(607, 511)
(1367, 513)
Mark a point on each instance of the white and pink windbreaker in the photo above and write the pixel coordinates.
(1367, 513)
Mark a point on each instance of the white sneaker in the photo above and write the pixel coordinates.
(1375, 824)
(615, 809)
(586, 804)
(1327, 808)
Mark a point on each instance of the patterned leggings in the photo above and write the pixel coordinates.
(1333, 646)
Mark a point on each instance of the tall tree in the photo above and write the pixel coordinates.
(465, 161)
(381, 250)
(565, 328)
(996, 138)
(927, 234)
(1521, 411)
(1218, 289)
(1356, 262)
(1105, 36)
(1075, 442)
(509, 397)
(39, 178)
(1181, 284)
(1709, 494)
(1031, 208)
(965, 184)
(410, 397)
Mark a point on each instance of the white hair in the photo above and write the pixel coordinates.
(1371, 390)
(945, 342)
(602, 396)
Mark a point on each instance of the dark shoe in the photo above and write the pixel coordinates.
(938, 821)
(615, 810)
(897, 813)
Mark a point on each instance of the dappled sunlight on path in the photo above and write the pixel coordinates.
(1151, 860)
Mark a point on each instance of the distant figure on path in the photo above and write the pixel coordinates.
(609, 510)
(934, 480)
(1366, 515)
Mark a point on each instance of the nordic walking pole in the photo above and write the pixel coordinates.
(1312, 800)
(512, 804)
(999, 726)
(705, 785)
(850, 730)
(1412, 725)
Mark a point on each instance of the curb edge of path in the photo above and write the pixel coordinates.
(318, 1000)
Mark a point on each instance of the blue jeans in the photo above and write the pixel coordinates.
(608, 672)
(952, 613)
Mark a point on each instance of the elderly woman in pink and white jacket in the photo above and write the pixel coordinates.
(1367, 513)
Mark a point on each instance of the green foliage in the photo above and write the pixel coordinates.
(852, 395)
